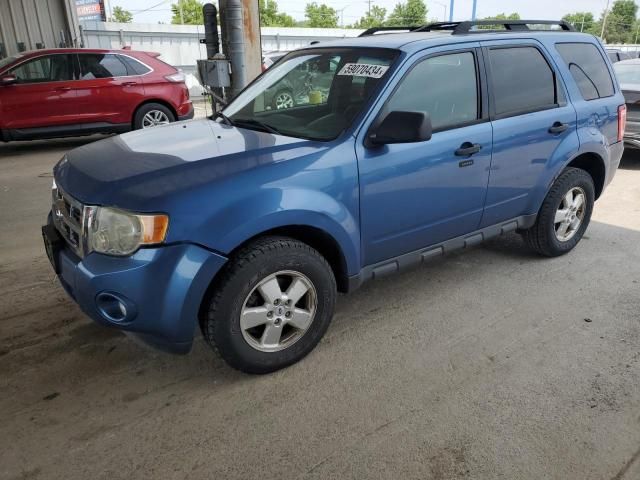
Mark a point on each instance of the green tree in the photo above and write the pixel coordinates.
(625, 10)
(121, 15)
(413, 13)
(500, 16)
(187, 12)
(375, 18)
(620, 25)
(270, 17)
(320, 16)
(581, 21)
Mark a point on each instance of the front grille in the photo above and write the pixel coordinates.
(69, 217)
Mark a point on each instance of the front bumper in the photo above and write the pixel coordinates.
(161, 290)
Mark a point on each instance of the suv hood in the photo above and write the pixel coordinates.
(132, 170)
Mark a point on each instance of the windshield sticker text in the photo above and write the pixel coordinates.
(363, 70)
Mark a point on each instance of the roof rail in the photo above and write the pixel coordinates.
(374, 30)
(462, 28)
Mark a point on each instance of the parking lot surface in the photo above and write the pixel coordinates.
(490, 363)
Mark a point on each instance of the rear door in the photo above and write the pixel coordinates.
(532, 121)
(43, 95)
(108, 90)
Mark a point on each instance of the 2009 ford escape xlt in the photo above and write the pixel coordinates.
(247, 224)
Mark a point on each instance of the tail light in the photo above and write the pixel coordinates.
(177, 77)
(622, 121)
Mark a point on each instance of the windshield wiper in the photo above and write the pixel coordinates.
(256, 123)
(226, 119)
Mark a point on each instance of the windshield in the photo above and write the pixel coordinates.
(6, 61)
(627, 73)
(313, 94)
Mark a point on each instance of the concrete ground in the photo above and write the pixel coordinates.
(487, 364)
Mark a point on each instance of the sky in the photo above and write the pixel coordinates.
(154, 11)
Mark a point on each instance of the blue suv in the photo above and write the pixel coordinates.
(247, 224)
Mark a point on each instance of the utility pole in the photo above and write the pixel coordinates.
(443, 5)
(473, 12)
(451, 11)
(604, 20)
(181, 13)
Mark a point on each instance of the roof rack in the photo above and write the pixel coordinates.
(467, 27)
(374, 30)
(461, 28)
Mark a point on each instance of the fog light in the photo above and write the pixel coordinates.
(115, 308)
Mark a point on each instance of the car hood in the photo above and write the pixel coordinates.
(135, 169)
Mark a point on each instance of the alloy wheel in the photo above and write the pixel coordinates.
(278, 311)
(284, 100)
(570, 214)
(154, 118)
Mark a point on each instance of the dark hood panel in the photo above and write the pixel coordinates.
(134, 169)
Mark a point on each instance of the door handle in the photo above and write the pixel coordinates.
(63, 89)
(558, 127)
(468, 149)
(130, 84)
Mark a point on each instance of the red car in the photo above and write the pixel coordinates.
(63, 92)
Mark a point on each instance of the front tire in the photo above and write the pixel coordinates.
(151, 115)
(272, 305)
(564, 215)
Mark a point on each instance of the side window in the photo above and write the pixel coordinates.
(445, 87)
(134, 67)
(588, 69)
(95, 65)
(51, 68)
(522, 80)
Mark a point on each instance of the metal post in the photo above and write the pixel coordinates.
(212, 41)
(451, 11)
(473, 12)
(241, 27)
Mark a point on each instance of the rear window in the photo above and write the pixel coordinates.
(94, 65)
(522, 80)
(588, 69)
(134, 67)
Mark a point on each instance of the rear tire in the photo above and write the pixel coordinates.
(564, 215)
(255, 297)
(152, 114)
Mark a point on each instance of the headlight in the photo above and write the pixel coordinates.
(116, 232)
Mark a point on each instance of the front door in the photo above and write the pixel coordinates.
(414, 195)
(43, 95)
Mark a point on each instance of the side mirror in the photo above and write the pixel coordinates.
(401, 127)
(8, 80)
